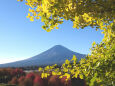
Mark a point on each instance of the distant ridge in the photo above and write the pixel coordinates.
(55, 55)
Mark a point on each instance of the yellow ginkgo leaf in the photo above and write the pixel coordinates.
(28, 15)
(57, 27)
(81, 76)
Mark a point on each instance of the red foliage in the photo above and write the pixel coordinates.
(21, 79)
(38, 80)
(17, 72)
(30, 75)
(26, 82)
(34, 79)
(54, 81)
(64, 82)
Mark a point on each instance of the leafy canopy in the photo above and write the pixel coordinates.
(98, 68)
(81, 12)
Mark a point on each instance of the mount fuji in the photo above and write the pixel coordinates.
(55, 55)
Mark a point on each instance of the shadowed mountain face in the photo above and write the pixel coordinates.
(55, 55)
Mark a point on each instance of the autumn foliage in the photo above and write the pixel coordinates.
(20, 78)
(6, 74)
(98, 67)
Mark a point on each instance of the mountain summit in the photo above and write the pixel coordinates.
(55, 55)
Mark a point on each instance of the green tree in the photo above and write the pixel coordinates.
(98, 68)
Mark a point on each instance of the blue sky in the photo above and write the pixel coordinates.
(21, 39)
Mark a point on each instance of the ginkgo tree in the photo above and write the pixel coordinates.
(98, 68)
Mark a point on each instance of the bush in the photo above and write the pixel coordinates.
(7, 74)
(21, 79)
(26, 82)
(30, 75)
(54, 81)
(14, 81)
(65, 82)
(38, 81)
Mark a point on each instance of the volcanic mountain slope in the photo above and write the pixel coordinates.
(55, 55)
